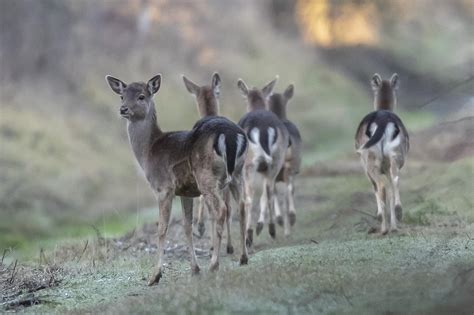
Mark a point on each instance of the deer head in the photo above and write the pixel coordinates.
(277, 102)
(385, 97)
(207, 96)
(137, 97)
(256, 98)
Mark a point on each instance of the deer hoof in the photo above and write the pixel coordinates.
(292, 217)
(214, 267)
(279, 220)
(398, 212)
(195, 270)
(155, 278)
(249, 240)
(244, 260)
(272, 230)
(230, 249)
(259, 227)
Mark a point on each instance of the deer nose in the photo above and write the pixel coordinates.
(123, 110)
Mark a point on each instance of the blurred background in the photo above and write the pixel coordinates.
(65, 162)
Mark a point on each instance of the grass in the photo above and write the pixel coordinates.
(329, 265)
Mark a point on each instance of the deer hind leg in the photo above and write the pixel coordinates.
(228, 220)
(218, 207)
(277, 206)
(396, 212)
(201, 218)
(165, 199)
(187, 205)
(286, 215)
(375, 176)
(237, 190)
(291, 200)
(249, 194)
(270, 193)
(263, 208)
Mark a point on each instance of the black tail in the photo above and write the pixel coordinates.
(382, 118)
(232, 149)
(381, 126)
(264, 139)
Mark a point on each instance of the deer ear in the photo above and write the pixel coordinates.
(243, 87)
(376, 81)
(115, 84)
(268, 89)
(192, 87)
(394, 81)
(216, 80)
(154, 84)
(289, 91)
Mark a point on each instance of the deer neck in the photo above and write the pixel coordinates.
(279, 112)
(142, 134)
(257, 105)
(384, 105)
(210, 108)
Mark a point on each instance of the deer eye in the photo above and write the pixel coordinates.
(121, 97)
(141, 97)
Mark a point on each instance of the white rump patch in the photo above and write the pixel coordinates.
(221, 146)
(255, 135)
(373, 128)
(256, 148)
(271, 137)
(389, 144)
(240, 143)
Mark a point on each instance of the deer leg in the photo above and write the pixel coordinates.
(165, 199)
(270, 194)
(287, 217)
(291, 200)
(228, 220)
(200, 219)
(263, 210)
(237, 192)
(276, 206)
(396, 209)
(219, 209)
(212, 221)
(187, 205)
(249, 195)
(380, 194)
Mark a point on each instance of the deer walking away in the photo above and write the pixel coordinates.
(382, 143)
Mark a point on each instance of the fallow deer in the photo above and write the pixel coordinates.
(180, 163)
(268, 139)
(207, 100)
(382, 143)
(277, 103)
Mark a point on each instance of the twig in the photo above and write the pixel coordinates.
(314, 241)
(3, 256)
(449, 90)
(13, 273)
(83, 250)
(345, 296)
(468, 240)
(367, 214)
(423, 235)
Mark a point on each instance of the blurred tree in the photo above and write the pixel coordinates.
(34, 37)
